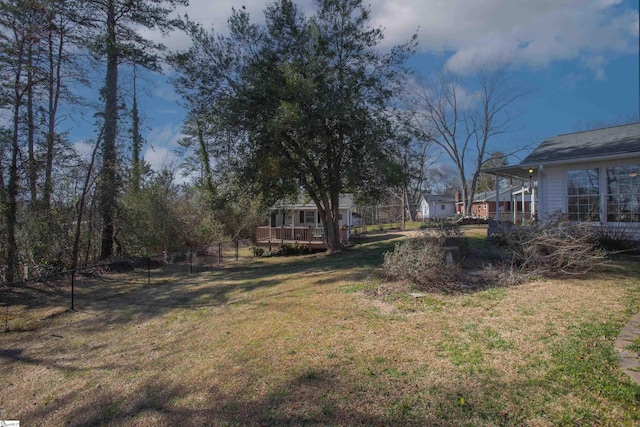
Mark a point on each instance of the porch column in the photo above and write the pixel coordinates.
(497, 214)
(533, 201)
(524, 210)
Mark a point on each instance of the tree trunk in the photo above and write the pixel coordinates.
(55, 84)
(204, 158)
(136, 138)
(32, 164)
(108, 183)
(12, 186)
(80, 208)
(331, 227)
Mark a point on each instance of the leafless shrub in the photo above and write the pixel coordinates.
(553, 248)
(421, 260)
(619, 237)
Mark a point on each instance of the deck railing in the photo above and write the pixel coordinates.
(312, 236)
(290, 234)
(508, 216)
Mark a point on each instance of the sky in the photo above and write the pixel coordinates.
(579, 59)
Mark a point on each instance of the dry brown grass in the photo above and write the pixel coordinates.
(316, 340)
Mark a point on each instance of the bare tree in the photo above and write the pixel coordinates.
(21, 28)
(464, 122)
(441, 179)
(417, 161)
(584, 125)
(487, 182)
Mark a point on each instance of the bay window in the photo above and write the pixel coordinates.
(623, 193)
(583, 195)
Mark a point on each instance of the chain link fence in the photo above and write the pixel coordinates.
(26, 304)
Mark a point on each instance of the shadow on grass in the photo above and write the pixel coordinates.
(133, 297)
(322, 396)
(314, 397)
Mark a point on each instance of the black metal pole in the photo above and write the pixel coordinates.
(149, 271)
(73, 275)
(219, 253)
(236, 249)
(190, 261)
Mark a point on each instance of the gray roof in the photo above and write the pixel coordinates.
(605, 142)
(436, 198)
(505, 194)
(345, 202)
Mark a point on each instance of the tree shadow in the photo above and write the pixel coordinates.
(142, 294)
(313, 397)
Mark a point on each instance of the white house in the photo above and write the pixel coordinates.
(436, 206)
(299, 221)
(590, 176)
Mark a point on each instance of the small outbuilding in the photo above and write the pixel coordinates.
(435, 207)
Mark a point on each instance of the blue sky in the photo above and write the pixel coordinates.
(579, 57)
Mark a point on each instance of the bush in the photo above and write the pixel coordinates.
(421, 260)
(617, 238)
(554, 247)
(448, 235)
(292, 249)
(256, 251)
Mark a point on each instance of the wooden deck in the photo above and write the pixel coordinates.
(274, 236)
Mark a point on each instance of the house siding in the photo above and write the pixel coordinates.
(433, 210)
(297, 223)
(555, 190)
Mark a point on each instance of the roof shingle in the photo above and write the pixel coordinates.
(583, 145)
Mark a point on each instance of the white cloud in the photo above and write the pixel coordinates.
(165, 91)
(159, 157)
(596, 64)
(161, 145)
(166, 135)
(532, 33)
(84, 149)
(523, 32)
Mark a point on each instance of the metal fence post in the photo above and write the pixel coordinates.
(73, 276)
(219, 252)
(236, 249)
(149, 270)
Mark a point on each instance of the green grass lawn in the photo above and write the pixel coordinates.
(324, 340)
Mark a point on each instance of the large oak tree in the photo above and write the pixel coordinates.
(309, 100)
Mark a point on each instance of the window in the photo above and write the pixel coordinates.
(441, 207)
(583, 195)
(623, 193)
(309, 217)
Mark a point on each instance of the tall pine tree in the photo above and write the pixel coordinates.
(115, 39)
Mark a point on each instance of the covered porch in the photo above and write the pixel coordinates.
(519, 200)
(311, 236)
